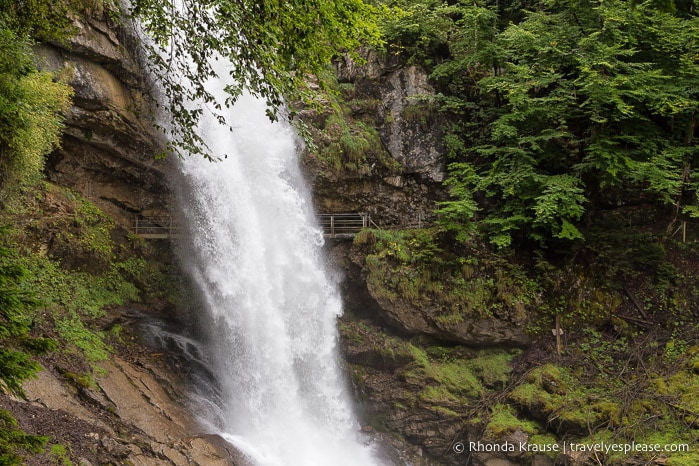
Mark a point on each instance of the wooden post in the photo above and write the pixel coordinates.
(136, 225)
(558, 334)
(332, 226)
(684, 231)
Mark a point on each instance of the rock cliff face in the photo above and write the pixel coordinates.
(405, 120)
(404, 196)
(399, 180)
(134, 413)
(109, 144)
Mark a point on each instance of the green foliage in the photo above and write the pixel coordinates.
(272, 48)
(31, 102)
(36, 124)
(345, 143)
(14, 442)
(16, 306)
(31, 110)
(37, 19)
(31, 117)
(559, 109)
(343, 132)
(76, 298)
(88, 232)
(16, 364)
(89, 343)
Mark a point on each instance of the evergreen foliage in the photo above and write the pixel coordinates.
(562, 109)
(16, 364)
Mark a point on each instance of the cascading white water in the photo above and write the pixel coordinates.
(255, 253)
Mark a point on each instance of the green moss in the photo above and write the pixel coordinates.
(683, 459)
(682, 388)
(551, 378)
(411, 266)
(444, 411)
(85, 381)
(553, 395)
(419, 356)
(532, 398)
(444, 381)
(436, 394)
(456, 377)
(503, 421)
(493, 368)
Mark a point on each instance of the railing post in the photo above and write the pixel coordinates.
(332, 226)
(135, 230)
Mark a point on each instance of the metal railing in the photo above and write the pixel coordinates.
(336, 226)
(156, 227)
(345, 225)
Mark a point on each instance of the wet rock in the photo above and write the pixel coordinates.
(408, 127)
(109, 146)
(399, 182)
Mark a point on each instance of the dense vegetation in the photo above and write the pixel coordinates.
(48, 305)
(571, 137)
(561, 111)
(30, 120)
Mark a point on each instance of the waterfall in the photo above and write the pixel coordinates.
(254, 251)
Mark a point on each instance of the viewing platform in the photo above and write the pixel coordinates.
(335, 226)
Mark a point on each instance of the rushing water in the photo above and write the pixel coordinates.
(254, 250)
